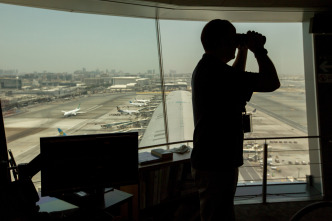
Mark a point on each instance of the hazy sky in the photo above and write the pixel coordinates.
(44, 40)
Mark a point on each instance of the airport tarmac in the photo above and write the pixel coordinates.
(41, 120)
(23, 131)
(279, 114)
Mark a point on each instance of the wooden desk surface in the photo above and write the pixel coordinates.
(177, 158)
(111, 198)
(116, 197)
(52, 204)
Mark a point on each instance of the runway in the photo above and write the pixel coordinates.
(279, 114)
(287, 107)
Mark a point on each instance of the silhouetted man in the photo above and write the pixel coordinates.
(218, 135)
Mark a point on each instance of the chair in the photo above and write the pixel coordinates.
(316, 211)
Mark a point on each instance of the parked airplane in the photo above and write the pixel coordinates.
(137, 104)
(72, 112)
(127, 111)
(142, 101)
(61, 133)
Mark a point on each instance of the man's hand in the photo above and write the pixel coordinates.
(268, 80)
(256, 41)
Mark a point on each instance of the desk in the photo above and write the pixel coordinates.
(117, 198)
(165, 181)
(177, 159)
(51, 204)
(112, 199)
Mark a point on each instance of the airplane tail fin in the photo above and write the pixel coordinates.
(61, 133)
(79, 106)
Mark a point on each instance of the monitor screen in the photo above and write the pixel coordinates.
(84, 162)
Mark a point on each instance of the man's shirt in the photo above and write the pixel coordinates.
(219, 96)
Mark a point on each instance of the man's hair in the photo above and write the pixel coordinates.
(213, 32)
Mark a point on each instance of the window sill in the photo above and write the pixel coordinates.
(250, 194)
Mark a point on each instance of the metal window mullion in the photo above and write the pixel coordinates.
(5, 177)
(264, 184)
(161, 69)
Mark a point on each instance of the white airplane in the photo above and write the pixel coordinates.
(137, 104)
(142, 101)
(127, 111)
(72, 112)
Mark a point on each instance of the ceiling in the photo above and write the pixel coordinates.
(248, 3)
(233, 10)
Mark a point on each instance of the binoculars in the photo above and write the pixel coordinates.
(241, 39)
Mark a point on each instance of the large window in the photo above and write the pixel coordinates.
(275, 115)
(181, 52)
(76, 73)
(281, 113)
(83, 74)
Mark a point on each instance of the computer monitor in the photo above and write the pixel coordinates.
(86, 162)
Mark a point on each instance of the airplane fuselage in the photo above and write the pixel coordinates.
(127, 111)
(71, 113)
(142, 101)
(137, 104)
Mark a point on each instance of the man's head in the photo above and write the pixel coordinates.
(219, 37)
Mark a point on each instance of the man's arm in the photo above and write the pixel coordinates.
(241, 59)
(268, 80)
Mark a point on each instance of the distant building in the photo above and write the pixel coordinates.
(142, 82)
(124, 80)
(129, 83)
(94, 81)
(126, 87)
(10, 83)
(57, 83)
(176, 86)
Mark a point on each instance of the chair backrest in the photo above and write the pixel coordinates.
(316, 211)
